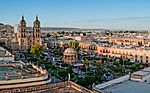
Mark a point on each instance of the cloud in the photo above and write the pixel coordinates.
(138, 23)
(127, 19)
(141, 23)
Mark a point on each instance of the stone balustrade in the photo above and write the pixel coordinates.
(44, 77)
(50, 87)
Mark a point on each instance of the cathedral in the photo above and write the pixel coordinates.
(27, 38)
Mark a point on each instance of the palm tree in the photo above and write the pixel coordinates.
(100, 68)
(86, 62)
(74, 45)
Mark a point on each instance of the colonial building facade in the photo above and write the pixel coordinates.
(112, 51)
(26, 38)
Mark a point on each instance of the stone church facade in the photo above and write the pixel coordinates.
(25, 39)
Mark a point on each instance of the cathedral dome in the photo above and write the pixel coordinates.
(70, 55)
(70, 51)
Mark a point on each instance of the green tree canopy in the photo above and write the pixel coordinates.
(62, 73)
(37, 50)
(86, 62)
(74, 45)
(48, 35)
(90, 79)
(82, 82)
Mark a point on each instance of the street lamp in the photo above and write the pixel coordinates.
(68, 77)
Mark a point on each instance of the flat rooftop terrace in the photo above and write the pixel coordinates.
(1, 48)
(62, 87)
(15, 72)
(128, 87)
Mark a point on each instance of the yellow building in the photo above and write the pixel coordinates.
(88, 46)
(127, 41)
(137, 55)
(111, 51)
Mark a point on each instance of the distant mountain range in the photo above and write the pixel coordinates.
(9, 28)
(61, 28)
(6, 27)
(58, 28)
(1, 24)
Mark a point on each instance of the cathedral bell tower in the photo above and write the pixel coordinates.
(22, 27)
(22, 37)
(37, 32)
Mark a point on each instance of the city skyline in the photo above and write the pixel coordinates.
(108, 14)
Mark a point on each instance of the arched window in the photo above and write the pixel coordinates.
(112, 52)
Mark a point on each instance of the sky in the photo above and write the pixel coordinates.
(108, 14)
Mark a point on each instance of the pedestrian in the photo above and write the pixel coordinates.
(6, 76)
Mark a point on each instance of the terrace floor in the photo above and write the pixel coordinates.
(129, 87)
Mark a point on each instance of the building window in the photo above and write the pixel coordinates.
(112, 52)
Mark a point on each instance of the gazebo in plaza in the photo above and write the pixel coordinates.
(70, 55)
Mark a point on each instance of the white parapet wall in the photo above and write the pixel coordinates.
(112, 82)
(24, 80)
(42, 71)
(30, 81)
(25, 84)
(44, 79)
(6, 58)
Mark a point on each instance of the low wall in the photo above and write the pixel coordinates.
(79, 88)
(42, 71)
(23, 80)
(112, 82)
(24, 85)
(6, 58)
(49, 87)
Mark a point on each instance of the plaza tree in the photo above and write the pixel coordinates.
(37, 51)
(100, 68)
(87, 63)
(63, 74)
(58, 52)
(122, 60)
(47, 64)
(90, 79)
(82, 82)
(74, 45)
(48, 35)
(69, 69)
(28, 54)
